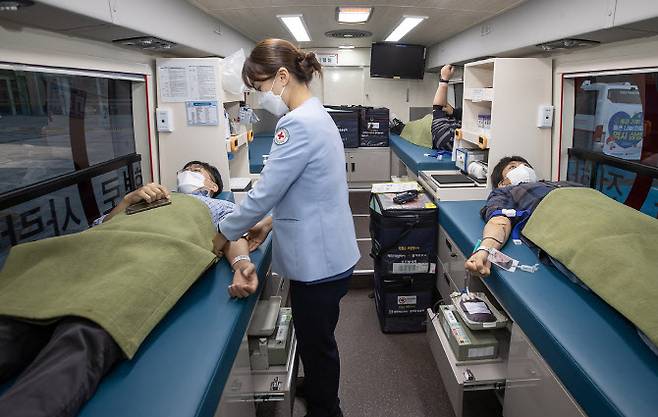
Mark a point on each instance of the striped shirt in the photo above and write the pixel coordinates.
(525, 196)
(443, 129)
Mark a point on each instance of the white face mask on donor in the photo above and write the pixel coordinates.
(522, 173)
(189, 182)
(273, 103)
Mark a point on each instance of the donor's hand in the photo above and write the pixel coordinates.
(245, 280)
(149, 192)
(478, 264)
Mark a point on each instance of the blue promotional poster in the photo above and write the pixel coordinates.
(623, 138)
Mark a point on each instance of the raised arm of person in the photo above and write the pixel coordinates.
(441, 95)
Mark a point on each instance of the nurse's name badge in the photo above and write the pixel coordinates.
(281, 136)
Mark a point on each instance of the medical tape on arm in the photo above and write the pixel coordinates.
(522, 215)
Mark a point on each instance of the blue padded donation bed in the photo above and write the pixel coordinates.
(594, 351)
(414, 157)
(181, 368)
(258, 147)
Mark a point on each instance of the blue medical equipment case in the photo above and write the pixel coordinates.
(404, 249)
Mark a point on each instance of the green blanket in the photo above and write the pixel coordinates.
(612, 248)
(124, 274)
(419, 132)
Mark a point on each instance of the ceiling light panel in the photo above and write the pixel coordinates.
(405, 26)
(296, 26)
(353, 14)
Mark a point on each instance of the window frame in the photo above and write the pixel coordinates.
(567, 106)
(138, 169)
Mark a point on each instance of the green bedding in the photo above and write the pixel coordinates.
(124, 274)
(612, 248)
(419, 132)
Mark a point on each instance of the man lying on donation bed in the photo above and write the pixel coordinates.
(73, 306)
(570, 229)
(515, 187)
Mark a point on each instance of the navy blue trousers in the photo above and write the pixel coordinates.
(315, 311)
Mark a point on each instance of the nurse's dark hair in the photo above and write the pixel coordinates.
(213, 171)
(269, 55)
(497, 173)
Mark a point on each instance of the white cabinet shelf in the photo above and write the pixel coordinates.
(504, 95)
(478, 94)
(477, 137)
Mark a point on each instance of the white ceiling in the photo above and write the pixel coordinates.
(257, 19)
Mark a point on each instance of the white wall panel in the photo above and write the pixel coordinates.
(343, 86)
(386, 92)
(174, 20)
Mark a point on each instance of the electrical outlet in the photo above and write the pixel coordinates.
(545, 116)
(164, 120)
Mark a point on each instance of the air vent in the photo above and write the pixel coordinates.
(567, 44)
(14, 5)
(149, 43)
(348, 34)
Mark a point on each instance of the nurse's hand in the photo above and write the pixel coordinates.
(257, 234)
(218, 243)
(478, 264)
(245, 280)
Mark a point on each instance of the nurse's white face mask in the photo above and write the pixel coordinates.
(190, 182)
(522, 173)
(273, 103)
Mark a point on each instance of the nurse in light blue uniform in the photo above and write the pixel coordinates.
(304, 186)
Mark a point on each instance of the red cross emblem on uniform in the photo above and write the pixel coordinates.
(281, 136)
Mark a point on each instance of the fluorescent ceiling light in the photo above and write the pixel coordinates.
(296, 27)
(353, 14)
(408, 23)
(346, 47)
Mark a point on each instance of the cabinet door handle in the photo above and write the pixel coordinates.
(445, 276)
(449, 246)
(353, 166)
(346, 170)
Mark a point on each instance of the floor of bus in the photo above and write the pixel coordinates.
(382, 375)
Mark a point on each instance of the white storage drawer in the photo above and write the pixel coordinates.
(452, 258)
(532, 390)
(489, 375)
(444, 283)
